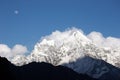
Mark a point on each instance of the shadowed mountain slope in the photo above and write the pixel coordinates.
(38, 71)
(97, 68)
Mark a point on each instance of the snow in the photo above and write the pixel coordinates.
(70, 49)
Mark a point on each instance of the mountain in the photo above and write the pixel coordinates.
(77, 51)
(97, 68)
(38, 71)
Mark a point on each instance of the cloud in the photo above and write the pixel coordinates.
(96, 37)
(19, 49)
(100, 40)
(112, 42)
(6, 51)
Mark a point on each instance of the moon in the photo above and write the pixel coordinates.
(16, 12)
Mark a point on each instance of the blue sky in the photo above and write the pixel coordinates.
(26, 21)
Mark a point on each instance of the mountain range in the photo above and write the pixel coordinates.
(74, 50)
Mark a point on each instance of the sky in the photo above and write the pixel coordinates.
(24, 22)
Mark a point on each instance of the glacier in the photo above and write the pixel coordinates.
(74, 49)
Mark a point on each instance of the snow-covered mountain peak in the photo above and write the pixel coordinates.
(72, 48)
(59, 38)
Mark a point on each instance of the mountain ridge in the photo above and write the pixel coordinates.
(38, 71)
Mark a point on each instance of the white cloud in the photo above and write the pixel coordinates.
(96, 38)
(8, 52)
(19, 49)
(112, 42)
(5, 51)
(101, 41)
